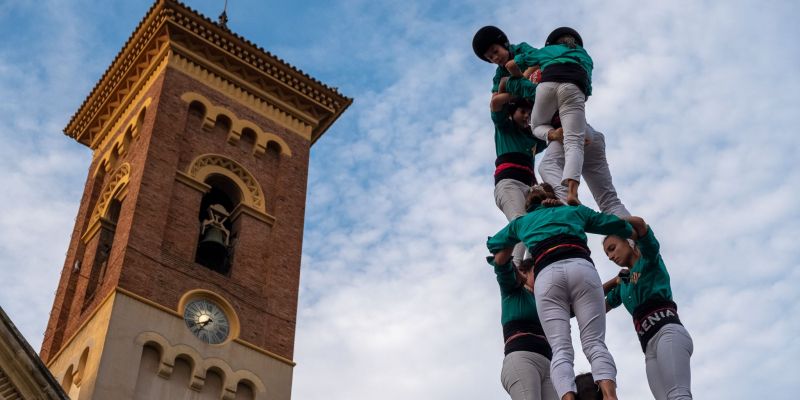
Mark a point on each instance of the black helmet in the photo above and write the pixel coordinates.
(517, 102)
(559, 32)
(485, 38)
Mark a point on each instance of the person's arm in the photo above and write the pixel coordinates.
(501, 119)
(504, 256)
(514, 69)
(606, 224)
(502, 243)
(499, 101)
(499, 73)
(638, 224)
(613, 298)
(647, 242)
(506, 275)
(529, 71)
(610, 284)
(542, 132)
(521, 87)
(555, 135)
(526, 57)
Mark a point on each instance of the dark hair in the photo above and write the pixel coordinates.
(633, 243)
(518, 102)
(535, 197)
(485, 38)
(587, 388)
(524, 267)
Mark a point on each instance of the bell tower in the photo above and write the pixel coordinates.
(181, 277)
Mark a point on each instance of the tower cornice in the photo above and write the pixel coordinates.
(172, 31)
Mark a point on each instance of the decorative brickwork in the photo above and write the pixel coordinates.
(186, 108)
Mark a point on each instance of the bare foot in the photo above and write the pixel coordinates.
(573, 200)
(572, 192)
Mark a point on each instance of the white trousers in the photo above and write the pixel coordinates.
(509, 195)
(569, 101)
(667, 363)
(595, 171)
(526, 376)
(573, 282)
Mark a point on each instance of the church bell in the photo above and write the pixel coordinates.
(212, 251)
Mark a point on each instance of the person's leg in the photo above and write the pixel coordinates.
(598, 176)
(588, 303)
(544, 107)
(548, 390)
(673, 350)
(551, 168)
(522, 375)
(509, 195)
(571, 110)
(652, 370)
(552, 304)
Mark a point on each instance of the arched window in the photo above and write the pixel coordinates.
(218, 234)
(248, 138)
(223, 123)
(244, 391)
(108, 229)
(197, 109)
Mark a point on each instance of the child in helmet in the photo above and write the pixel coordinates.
(565, 84)
(516, 147)
(491, 45)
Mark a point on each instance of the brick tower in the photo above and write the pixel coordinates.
(181, 277)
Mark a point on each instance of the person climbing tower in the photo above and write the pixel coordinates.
(526, 365)
(643, 287)
(491, 44)
(595, 169)
(565, 84)
(516, 148)
(564, 277)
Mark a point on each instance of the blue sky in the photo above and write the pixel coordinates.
(697, 100)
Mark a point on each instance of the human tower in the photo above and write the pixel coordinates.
(541, 259)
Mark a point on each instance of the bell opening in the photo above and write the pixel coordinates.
(214, 247)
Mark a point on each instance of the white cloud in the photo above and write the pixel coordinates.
(697, 103)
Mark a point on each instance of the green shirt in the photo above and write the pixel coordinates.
(521, 87)
(510, 138)
(653, 278)
(501, 71)
(517, 303)
(556, 54)
(545, 222)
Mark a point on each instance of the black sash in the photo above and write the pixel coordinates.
(557, 248)
(525, 335)
(650, 316)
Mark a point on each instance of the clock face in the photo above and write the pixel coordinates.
(207, 321)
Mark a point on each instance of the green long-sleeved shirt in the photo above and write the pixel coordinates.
(510, 138)
(517, 303)
(545, 222)
(521, 87)
(653, 277)
(556, 54)
(501, 71)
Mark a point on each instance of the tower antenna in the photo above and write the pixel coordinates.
(223, 18)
